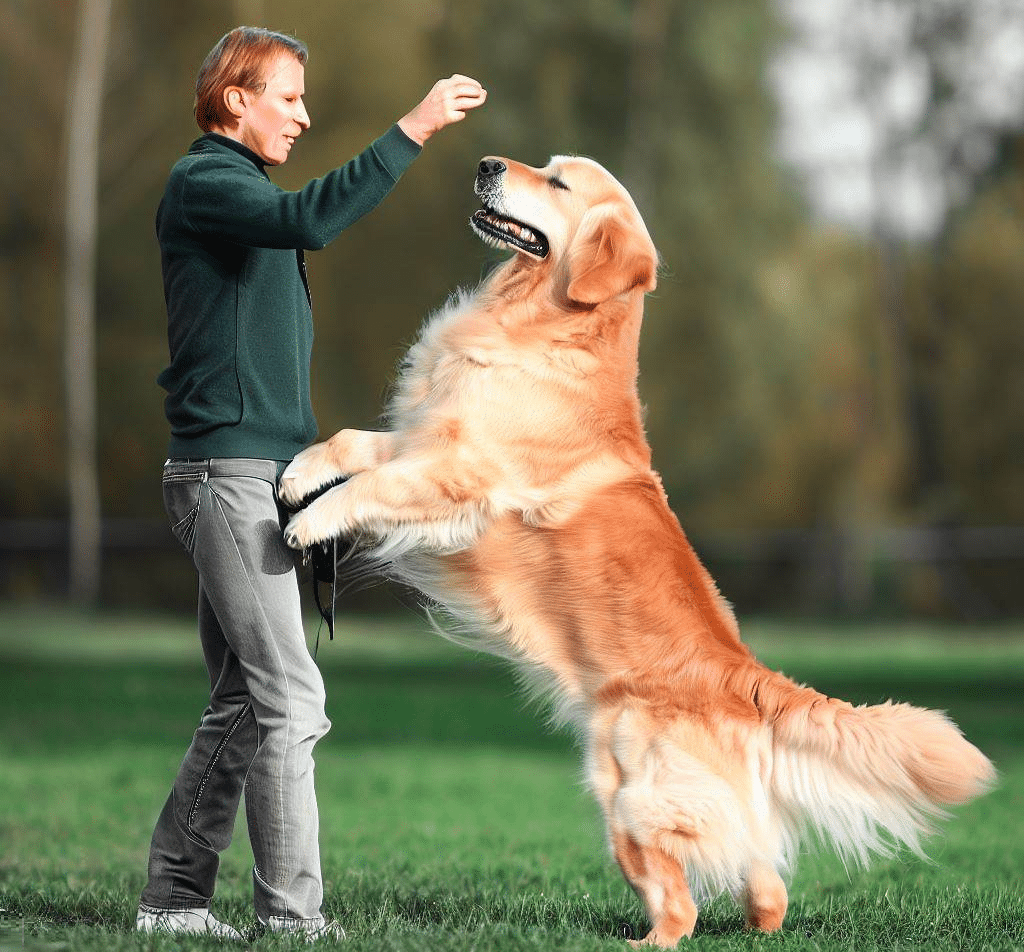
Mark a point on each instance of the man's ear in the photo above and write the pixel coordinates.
(609, 255)
(235, 100)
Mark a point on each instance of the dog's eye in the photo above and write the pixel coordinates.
(556, 182)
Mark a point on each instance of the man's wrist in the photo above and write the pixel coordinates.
(413, 129)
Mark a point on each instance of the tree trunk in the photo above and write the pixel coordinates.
(84, 112)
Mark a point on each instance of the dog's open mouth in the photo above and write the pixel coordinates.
(494, 227)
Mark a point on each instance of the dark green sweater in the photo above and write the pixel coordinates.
(240, 326)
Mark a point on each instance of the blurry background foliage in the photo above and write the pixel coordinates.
(816, 381)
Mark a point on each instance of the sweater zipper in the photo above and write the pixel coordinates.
(300, 257)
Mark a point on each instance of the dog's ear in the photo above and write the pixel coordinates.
(608, 256)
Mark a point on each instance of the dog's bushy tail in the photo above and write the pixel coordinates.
(865, 779)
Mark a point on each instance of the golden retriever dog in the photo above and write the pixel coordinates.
(514, 488)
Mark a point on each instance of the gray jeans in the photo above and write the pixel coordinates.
(266, 707)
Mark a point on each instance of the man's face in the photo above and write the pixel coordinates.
(271, 122)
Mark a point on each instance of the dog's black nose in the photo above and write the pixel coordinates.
(491, 167)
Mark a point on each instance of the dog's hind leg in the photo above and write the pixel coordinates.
(657, 878)
(764, 898)
(660, 882)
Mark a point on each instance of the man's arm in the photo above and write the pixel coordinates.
(243, 206)
(236, 202)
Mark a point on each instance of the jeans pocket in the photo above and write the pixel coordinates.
(182, 498)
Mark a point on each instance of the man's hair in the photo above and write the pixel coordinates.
(239, 59)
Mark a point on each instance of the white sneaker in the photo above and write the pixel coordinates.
(312, 930)
(198, 921)
(328, 932)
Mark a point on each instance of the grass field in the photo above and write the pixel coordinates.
(451, 818)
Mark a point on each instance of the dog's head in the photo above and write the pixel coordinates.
(574, 218)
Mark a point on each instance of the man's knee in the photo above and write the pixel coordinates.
(294, 717)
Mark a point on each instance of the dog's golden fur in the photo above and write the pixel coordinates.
(515, 488)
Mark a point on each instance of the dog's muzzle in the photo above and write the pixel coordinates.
(495, 226)
(488, 171)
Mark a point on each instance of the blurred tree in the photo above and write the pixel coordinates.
(648, 65)
(892, 110)
(84, 117)
(35, 39)
(963, 307)
(767, 373)
(978, 289)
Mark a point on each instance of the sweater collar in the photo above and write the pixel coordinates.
(216, 139)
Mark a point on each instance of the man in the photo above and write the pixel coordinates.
(238, 402)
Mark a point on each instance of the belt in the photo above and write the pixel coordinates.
(268, 469)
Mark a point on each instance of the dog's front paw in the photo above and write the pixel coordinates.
(311, 472)
(327, 517)
(302, 532)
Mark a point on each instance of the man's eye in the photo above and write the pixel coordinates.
(556, 182)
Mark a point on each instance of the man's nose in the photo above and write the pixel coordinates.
(302, 117)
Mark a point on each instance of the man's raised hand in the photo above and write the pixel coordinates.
(448, 101)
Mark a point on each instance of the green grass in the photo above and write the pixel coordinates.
(451, 818)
